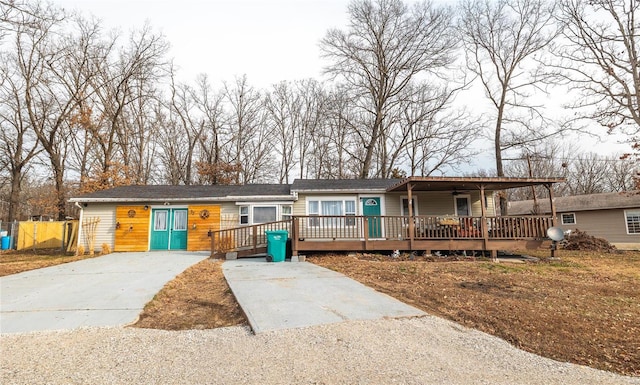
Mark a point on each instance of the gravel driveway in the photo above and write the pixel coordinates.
(424, 350)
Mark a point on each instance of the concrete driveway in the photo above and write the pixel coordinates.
(105, 291)
(289, 295)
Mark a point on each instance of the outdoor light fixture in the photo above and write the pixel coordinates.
(117, 225)
(146, 208)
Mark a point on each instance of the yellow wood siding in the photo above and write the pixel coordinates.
(132, 234)
(200, 222)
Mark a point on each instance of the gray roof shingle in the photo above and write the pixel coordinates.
(586, 202)
(163, 192)
(342, 184)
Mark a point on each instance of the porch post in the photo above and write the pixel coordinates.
(294, 236)
(483, 223)
(411, 219)
(551, 204)
(295, 229)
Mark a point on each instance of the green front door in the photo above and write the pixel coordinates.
(371, 210)
(169, 229)
(178, 238)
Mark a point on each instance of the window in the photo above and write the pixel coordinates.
(286, 213)
(633, 221)
(160, 222)
(331, 208)
(263, 214)
(405, 206)
(463, 205)
(244, 215)
(180, 220)
(568, 218)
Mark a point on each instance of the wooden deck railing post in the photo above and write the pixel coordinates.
(295, 230)
(412, 225)
(213, 245)
(254, 238)
(365, 228)
(483, 224)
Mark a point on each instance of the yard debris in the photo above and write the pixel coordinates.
(580, 240)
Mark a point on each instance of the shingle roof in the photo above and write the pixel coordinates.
(342, 184)
(587, 202)
(162, 192)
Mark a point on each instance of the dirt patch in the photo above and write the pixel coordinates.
(198, 298)
(580, 240)
(583, 308)
(12, 261)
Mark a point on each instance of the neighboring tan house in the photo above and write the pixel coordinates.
(611, 216)
(415, 213)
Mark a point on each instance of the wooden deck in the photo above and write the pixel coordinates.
(382, 233)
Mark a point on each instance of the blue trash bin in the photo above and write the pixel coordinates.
(5, 243)
(277, 244)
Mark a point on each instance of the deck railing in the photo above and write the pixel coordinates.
(379, 228)
(249, 237)
(425, 227)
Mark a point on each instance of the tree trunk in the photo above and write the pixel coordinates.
(14, 197)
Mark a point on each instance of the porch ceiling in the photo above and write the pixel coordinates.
(435, 183)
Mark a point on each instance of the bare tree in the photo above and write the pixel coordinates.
(386, 47)
(249, 141)
(124, 89)
(500, 38)
(600, 61)
(428, 135)
(284, 108)
(52, 68)
(212, 167)
(17, 141)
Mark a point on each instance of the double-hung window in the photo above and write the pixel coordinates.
(333, 209)
(568, 218)
(633, 221)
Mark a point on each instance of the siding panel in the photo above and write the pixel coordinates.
(607, 224)
(199, 224)
(133, 232)
(106, 227)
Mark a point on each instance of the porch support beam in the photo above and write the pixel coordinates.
(483, 223)
(411, 219)
(552, 205)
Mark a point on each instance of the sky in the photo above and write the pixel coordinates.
(267, 40)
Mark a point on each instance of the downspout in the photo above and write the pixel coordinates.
(78, 205)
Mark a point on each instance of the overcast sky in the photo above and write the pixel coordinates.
(268, 40)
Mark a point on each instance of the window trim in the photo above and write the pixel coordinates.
(415, 200)
(469, 203)
(253, 207)
(626, 220)
(247, 215)
(315, 222)
(575, 220)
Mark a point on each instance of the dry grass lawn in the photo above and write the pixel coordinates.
(198, 298)
(583, 309)
(12, 262)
